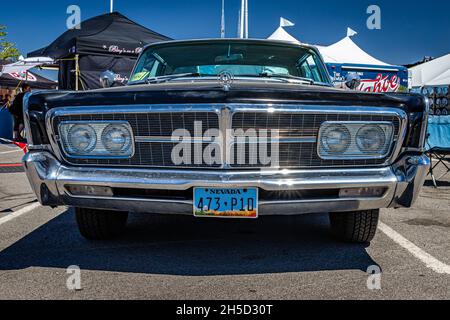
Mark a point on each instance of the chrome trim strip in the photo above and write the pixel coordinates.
(305, 139)
(43, 147)
(423, 133)
(26, 115)
(369, 68)
(234, 107)
(174, 139)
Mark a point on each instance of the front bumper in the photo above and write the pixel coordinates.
(402, 182)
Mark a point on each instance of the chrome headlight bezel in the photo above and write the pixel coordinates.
(361, 135)
(345, 139)
(353, 151)
(72, 130)
(118, 127)
(99, 150)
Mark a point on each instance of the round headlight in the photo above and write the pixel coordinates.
(116, 138)
(371, 138)
(336, 139)
(81, 138)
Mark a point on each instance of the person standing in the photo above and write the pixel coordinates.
(16, 110)
(6, 102)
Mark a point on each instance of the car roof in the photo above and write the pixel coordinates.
(235, 40)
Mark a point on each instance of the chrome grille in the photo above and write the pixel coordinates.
(298, 129)
(147, 127)
(302, 154)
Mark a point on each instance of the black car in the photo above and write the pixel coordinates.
(226, 128)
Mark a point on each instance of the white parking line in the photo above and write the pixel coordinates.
(430, 261)
(18, 213)
(12, 151)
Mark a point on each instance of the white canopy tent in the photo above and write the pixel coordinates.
(433, 73)
(281, 34)
(346, 51)
(23, 65)
(345, 57)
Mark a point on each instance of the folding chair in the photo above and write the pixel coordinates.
(438, 144)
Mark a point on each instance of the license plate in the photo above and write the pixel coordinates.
(226, 203)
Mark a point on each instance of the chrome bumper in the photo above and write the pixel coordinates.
(402, 181)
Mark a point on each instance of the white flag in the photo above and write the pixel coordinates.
(286, 23)
(351, 32)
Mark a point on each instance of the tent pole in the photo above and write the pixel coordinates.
(222, 23)
(246, 20)
(242, 23)
(77, 70)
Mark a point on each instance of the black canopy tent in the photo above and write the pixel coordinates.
(106, 42)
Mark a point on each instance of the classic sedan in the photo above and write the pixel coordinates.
(226, 128)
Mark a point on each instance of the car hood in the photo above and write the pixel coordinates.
(185, 92)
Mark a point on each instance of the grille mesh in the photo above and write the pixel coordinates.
(290, 125)
(151, 154)
(293, 155)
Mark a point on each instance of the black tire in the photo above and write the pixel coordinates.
(100, 224)
(357, 226)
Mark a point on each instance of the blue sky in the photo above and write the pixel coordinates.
(410, 29)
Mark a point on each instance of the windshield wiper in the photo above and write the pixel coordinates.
(170, 77)
(286, 77)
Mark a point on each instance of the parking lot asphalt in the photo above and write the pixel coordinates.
(162, 257)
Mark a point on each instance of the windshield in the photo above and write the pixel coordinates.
(241, 59)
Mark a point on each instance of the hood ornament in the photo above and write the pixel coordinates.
(225, 79)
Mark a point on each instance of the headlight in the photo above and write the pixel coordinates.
(116, 138)
(355, 140)
(81, 138)
(371, 138)
(335, 139)
(97, 139)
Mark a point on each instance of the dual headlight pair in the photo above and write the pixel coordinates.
(353, 140)
(97, 139)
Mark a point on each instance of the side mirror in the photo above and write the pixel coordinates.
(107, 79)
(352, 80)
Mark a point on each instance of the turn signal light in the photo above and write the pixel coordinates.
(92, 191)
(362, 192)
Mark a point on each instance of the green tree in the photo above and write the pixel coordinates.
(8, 50)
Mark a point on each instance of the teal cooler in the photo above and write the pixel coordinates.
(6, 124)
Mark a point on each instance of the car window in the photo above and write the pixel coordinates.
(240, 58)
(310, 69)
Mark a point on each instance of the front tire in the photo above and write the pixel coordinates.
(356, 226)
(100, 224)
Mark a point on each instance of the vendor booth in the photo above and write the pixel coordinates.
(9, 82)
(345, 56)
(12, 80)
(433, 80)
(106, 42)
